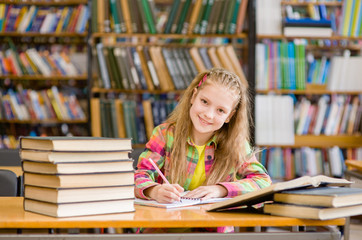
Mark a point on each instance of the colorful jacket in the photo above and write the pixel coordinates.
(251, 175)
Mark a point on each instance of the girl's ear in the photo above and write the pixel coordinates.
(230, 116)
(194, 92)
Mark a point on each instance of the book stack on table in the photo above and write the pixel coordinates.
(76, 176)
(317, 203)
(318, 197)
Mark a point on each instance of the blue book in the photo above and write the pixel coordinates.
(307, 22)
(323, 11)
(291, 57)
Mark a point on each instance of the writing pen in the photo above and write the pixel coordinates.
(159, 172)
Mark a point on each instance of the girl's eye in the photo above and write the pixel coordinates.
(203, 101)
(221, 111)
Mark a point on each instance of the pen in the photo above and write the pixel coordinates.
(159, 172)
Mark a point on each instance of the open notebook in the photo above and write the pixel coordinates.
(184, 202)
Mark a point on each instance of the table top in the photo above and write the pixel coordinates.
(12, 215)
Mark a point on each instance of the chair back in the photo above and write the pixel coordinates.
(8, 183)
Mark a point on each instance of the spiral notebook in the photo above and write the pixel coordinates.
(183, 203)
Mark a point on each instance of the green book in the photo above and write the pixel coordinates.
(114, 12)
(229, 15)
(142, 14)
(149, 16)
(171, 16)
(115, 70)
(206, 15)
(222, 17)
(232, 25)
(184, 13)
(200, 16)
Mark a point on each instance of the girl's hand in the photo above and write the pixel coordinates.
(206, 192)
(165, 193)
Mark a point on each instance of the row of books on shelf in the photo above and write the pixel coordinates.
(315, 20)
(181, 17)
(309, 20)
(9, 136)
(289, 163)
(277, 120)
(331, 115)
(74, 176)
(164, 68)
(43, 19)
(129, 118)
(287, 65)
(47, 104)
(33, 62)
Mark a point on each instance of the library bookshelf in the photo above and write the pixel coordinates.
(42, 80)
(310, 145)
(165, 58)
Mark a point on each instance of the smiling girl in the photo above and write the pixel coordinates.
(203, 146)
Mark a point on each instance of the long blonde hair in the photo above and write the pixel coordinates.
(231, 137)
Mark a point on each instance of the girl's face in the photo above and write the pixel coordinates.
(212, 106)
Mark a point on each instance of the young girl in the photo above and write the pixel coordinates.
(203, 146)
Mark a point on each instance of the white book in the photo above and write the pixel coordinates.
(335, 161)
(46, 25)
(305, 105)
(322, 108)
(261, 82)
(336, 106)
(25, 21)
(39, 62)
(103, 67)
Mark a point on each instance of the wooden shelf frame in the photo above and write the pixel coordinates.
(43, 3)
(46, 121)
(282, 37)
(44, 78)
(323, 141)
(167, 36)
(327, 4)
(37, 34)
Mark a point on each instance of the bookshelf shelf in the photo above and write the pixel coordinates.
(330, 4)
(167, 36)
(282, 37)
(103, 90)
(323, 141)
(35, 121)
(37, 34)
(42, 78)
(45, 3)
(37, 62)
(305, 92)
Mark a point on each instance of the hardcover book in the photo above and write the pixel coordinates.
(266, 194)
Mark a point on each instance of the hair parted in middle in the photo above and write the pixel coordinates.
(231, 138)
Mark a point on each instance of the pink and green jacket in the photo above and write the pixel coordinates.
(250, 176)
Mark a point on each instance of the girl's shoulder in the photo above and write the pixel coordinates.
(165, 127)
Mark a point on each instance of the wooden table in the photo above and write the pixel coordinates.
(12, 215)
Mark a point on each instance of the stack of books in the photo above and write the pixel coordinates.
(75, 176)
(319, 197)
(320, 203)
(307, 27)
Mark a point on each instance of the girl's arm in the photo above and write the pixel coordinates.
(147, 180)
(251, 176)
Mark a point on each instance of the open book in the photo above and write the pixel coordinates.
(266, 194)
(183, 203)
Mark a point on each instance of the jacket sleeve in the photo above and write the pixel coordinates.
(250, 176)
(145, 175)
